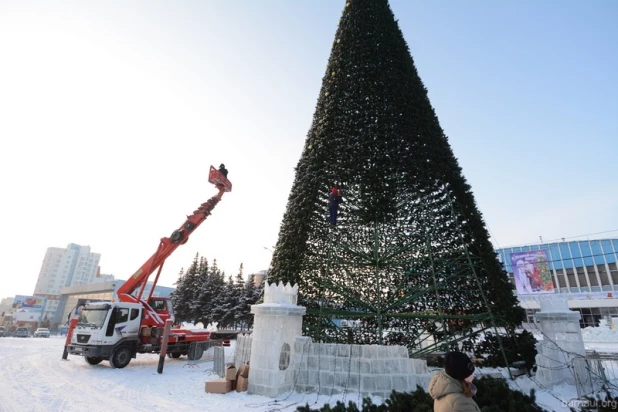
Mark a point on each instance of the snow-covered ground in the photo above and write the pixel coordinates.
(33, 377)
(601, 339)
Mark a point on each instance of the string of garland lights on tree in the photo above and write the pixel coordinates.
(409, 261)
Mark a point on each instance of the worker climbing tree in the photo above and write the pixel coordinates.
(333, 204)
(411, 255)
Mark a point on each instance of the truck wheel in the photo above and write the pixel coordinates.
(174, 355)
(93, 360)
(195, 352)
(120, 357)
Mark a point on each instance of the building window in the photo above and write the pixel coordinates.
(571, 278)
(561, 281)
(581, 276)
(586, 253)
(530, 315)
(614, 273)
(591, 317)
(603, 276)
(592, 275)
(565, 253)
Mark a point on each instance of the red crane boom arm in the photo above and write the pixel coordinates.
(179, 237)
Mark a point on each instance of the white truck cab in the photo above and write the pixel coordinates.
(107, 331)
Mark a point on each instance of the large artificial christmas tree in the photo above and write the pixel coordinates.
(409, 260)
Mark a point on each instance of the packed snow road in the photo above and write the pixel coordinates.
(33, 377)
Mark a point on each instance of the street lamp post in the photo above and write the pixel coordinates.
(270, 265)
(42, 313)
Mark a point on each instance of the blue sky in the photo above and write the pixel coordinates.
(111, 113)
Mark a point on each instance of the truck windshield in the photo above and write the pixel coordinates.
(93, 317)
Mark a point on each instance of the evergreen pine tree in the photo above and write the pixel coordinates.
(204, 294)
(257, 290)
(239, 287)
(179, 303)
(251, 294)
(243, 311)
(210, 299)
(184, 298)
(228, 304)
(410, 253)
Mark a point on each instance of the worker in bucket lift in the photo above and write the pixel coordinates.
(223, 170)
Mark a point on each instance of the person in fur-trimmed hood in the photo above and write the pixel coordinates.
(452, 388)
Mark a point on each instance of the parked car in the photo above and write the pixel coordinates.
(22, 333)
(41, 333)
(2, 332)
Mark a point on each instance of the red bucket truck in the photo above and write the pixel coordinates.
(118, 330)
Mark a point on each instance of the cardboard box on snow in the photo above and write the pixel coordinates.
(230, 373)
(218, 386)
(241, 384)
(243, 370)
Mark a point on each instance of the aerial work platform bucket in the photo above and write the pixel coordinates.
(215, 177)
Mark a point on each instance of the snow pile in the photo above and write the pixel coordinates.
(101, 303)
(199, 327)
(600, 333)
(279, 305)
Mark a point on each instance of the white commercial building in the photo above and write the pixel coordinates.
(584, 272)
(65, 267)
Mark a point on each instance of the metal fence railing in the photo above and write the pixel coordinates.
(594, 373)
(219, 361)
(200, 352)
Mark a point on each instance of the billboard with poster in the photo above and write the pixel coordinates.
(531, 272)
(29, 303)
